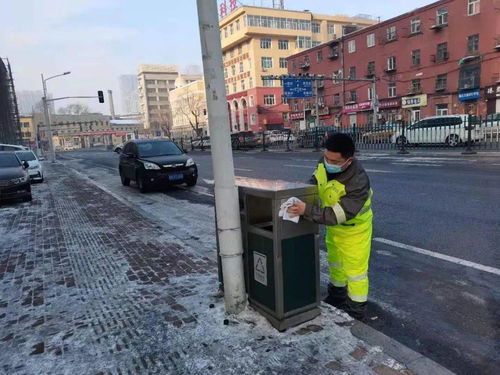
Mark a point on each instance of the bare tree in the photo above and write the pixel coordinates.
(74, 109)
(192, 108)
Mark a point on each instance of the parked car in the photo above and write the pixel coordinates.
(14, 178)
(204, 142)
(35, 170)
(6, 147)
(308, 138)
(245, 140)
(118, 148)
(156, 163)
(451, 130)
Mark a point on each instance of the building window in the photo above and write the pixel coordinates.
(250, 83)
(283, 44)
(265, 43)
(391, 63)
(237, 25)
(391, 33)
(319, 56)
(242, 84)
(225, 72)
(316, 27)
(473, 44)
(266, 62)
(442, 17)
(331, 29)
(416, 86)
(234, 87)
(233, 69)
(441, 81)
(415, 57)
(315, 43)
(267, 82)
(442, 52)
(352, 72)
(392, 90)
(415, 26)
(269, 99)
(252, 119)
(225, 32)
(353, 97)
(441, 109)
(370, 93)
(240, 50)
(370, 40)
(371, 69)
(469, 77)
(231, 53)
(241, 67)
(150, 82)
(231, 29)
(473, 7)
(304, 42)
(336, 99)
(283, 63)
(351, 46)
(251, 101)
(295, 106)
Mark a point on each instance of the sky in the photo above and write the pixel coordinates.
(98, 40)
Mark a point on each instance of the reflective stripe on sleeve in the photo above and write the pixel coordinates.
(339, 213)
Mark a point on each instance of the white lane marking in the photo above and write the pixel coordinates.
(198, 190)
(433, 254)
(378, 171)
(496, 164)
(299, 166)
(419, 164)
(243, 169)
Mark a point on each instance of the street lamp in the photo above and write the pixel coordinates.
(46, 114)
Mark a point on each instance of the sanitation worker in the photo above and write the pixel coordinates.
(345, 195)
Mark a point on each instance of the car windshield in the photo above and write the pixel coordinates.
(147, 149)
(9, 161)
(26, 155)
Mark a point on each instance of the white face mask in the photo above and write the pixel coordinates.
(332, 168)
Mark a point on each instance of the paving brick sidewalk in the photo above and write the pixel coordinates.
(89, 286)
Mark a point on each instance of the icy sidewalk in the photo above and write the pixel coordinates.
(89, 286)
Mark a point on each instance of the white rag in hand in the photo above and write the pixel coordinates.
(284, 210)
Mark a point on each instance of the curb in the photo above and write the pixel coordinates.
(417, 363)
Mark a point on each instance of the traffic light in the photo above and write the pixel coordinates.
(100, 95)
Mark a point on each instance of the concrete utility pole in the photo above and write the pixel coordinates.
(226, 193)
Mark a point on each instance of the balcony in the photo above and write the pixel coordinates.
(390, 69)
(370, 74)
(305, 65)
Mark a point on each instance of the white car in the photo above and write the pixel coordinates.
(118, 148)
(276, 136)
(451, 130)
(5, 147)
(35, 170)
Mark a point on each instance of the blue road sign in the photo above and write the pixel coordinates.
(297, 88)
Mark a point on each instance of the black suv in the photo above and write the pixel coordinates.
(14, 178)
(155, 163)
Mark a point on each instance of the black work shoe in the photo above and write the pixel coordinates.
(337, 296)
(356, 310)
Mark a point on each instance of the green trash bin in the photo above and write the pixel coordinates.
(281, 257)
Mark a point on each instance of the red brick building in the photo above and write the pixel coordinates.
(443, 58)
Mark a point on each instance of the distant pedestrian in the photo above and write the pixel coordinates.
(345, 194)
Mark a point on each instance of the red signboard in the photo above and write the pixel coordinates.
(364, 106)
(389, 103)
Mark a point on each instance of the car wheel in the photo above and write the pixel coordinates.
(401, 140)
(141, 184)
(118, 150)
(125, 180)
(453, 140)
(191, 181)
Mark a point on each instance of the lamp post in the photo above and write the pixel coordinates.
(52, 153)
